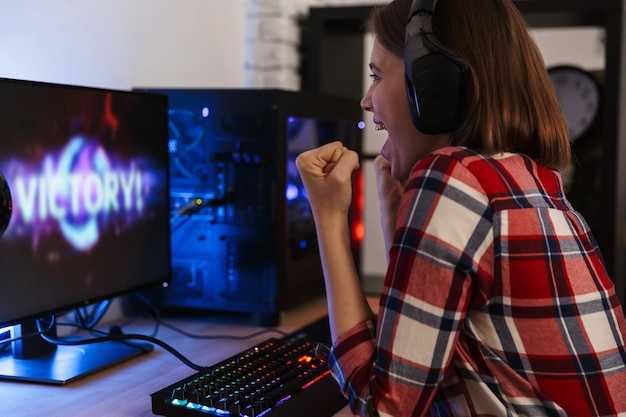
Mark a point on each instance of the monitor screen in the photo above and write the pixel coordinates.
(87, 169)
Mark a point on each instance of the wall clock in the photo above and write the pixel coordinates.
(579, 95)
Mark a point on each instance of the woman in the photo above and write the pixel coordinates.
(496, 299)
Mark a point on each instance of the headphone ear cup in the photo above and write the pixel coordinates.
(436, 88)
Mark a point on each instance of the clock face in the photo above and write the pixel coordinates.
(578, 93)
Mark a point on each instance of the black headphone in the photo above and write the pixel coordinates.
(436, 78)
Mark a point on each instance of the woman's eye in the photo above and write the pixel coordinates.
(374, 77)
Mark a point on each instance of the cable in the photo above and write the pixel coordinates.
(223, 336)
(121, 337)
(87, 319)
(155, 315)
(177, 222)
(161, 322)
(8, 341)
(117, 335)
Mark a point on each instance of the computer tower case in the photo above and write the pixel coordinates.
(243, 237)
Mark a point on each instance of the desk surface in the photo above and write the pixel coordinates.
(124, 390)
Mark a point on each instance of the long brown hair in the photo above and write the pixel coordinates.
(511, 104)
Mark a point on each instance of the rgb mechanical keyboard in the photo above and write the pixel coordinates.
(276, 378)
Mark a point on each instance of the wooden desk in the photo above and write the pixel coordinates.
(124, 390)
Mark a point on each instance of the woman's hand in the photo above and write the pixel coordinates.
(327, 176)
(390, 192)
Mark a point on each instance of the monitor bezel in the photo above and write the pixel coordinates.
(166, 277)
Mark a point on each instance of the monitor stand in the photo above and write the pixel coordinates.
(32, 359)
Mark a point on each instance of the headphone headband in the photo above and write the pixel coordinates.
(436, 79)
(420, 17)
(422, 6)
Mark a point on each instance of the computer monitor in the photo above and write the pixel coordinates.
(88, 173)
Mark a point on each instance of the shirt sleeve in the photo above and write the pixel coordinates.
(444, 229)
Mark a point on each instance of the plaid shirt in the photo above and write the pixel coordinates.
(496, 302)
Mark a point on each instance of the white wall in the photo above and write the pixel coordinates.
(124, 43)
(177, 43)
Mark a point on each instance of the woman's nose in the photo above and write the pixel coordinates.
(366, 104)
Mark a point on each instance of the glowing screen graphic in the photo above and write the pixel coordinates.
(81, 190)
(88, 173)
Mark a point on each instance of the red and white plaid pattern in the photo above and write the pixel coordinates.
(496, 302)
